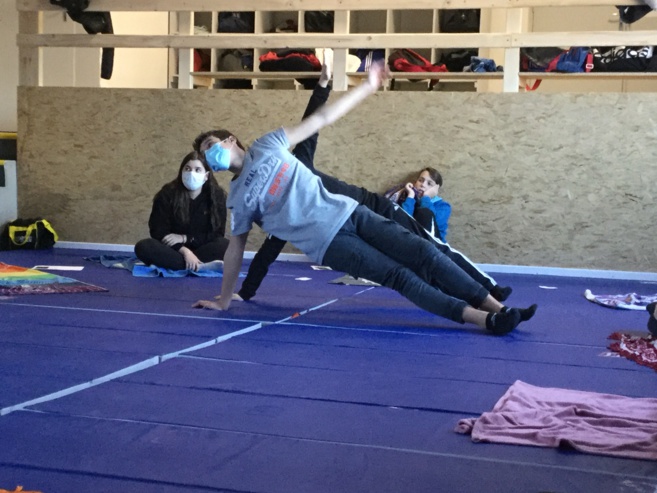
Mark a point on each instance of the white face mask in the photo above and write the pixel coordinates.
(193, 180)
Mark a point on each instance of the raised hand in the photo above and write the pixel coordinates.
(327, 73)
(378, 74)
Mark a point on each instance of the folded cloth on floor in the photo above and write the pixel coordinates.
(139, 269)
(116, 261)
(629, 301)
(589, 422)
(641, 349)
(210, 269)
(353, 281)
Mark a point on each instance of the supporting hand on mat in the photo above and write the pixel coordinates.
(210, 305)
(236, 297)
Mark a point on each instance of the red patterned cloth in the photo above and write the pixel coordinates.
(643, 350)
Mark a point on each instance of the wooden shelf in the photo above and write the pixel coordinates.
(455, 76)
(378, 25)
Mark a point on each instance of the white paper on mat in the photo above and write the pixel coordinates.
(58, 267)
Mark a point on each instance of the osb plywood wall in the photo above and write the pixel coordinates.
(561, 180)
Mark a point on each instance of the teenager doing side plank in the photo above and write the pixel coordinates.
(274, 190)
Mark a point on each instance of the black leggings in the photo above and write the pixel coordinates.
(154, 252)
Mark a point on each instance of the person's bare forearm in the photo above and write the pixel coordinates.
(329, 113)
(232, 265)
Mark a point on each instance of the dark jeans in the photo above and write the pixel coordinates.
(154, 252)
(426, 218)
(380, 250)
(386, 208)
(305, 152)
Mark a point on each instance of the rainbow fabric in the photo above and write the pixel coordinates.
(21, 280)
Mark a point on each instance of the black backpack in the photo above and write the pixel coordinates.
(459, 20)
(71, 5)
(236, 22)
(319, 21)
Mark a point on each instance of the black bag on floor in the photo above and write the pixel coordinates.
(28, 234)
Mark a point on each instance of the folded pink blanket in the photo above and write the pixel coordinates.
(586, 421)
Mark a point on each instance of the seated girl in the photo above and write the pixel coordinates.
(421, 200)
(188, 220)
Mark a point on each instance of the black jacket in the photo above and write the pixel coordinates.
(199, 229)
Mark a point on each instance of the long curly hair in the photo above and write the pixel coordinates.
(181, 199)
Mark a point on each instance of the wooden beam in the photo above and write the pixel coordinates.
(30, 71)
(465, 76)
(588, 76)
(185, 56)
(586, 38)
(292, 5)
(511, 83)
(270, 41)
(341, 26)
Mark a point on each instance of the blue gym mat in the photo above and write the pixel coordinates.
(311, 386)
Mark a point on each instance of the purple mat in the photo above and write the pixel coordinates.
(360, 395)
(217, 460)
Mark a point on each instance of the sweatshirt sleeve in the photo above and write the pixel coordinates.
(409, 205)
(259, 267)
(223, 214)
(159, 222)
(442, 210)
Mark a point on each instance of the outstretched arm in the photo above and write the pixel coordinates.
(330, 113)
(304, 151)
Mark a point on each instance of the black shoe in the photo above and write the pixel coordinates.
(501, 293)
(652, 321)
(504, 322)
(527, 313)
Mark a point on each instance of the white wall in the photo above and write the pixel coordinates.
(133, 67)
(8, 196)
(76, 67)
(140, 67)
(9, 65)
(80, 67)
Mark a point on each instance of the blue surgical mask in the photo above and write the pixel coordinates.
(193, 180)
(218, 157)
